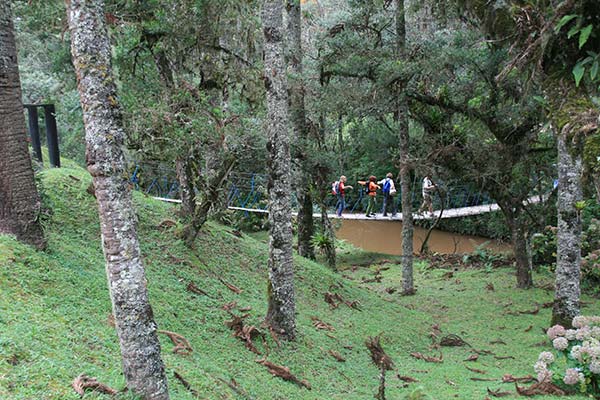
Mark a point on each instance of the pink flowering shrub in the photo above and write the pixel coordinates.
(575, 362)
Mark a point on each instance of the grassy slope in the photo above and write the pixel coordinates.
(54, 308)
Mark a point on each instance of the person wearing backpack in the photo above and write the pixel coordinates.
(372, 187)
(338, 188)
(388, 190)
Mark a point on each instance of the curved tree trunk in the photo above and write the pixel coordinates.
(19, 200)
(512, 214)
(136, 329)
(281, 313)
(401, 115)
(298, 118)
(568, 258)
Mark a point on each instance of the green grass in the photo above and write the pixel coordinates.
(54, 309)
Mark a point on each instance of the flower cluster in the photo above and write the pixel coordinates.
(577, 357)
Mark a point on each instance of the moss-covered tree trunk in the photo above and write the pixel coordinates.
(568, 254)
(281, 313)
(136, 329)
(401, 116)
(19, 200)
(298, 119)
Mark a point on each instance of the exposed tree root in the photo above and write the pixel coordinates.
(472, 357)
(83, 382)
(182, 346)
(284, 373)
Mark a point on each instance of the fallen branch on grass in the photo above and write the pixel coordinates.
(83, 382)
(479, 371)
(185, 384)
(420, 356)
(317, 323)
(191, 287)
(540, 388)
(182, 346)
(453, 340)
(508, 378)
(284, 373)
(381, 360)
(407, 379)
(231, 287)
(336, 355)
(233, 385)
(246, 333)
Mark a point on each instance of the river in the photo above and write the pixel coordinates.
(386, 237)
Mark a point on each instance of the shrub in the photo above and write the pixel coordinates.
(575, 362)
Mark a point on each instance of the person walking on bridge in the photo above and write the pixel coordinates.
(372, 187)
(388, 190)
(428, 189)
(339, 189)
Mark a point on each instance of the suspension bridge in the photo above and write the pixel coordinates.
(247, 193)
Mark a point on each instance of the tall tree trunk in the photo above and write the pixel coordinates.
(136, 329)
(568, 258)
(401, 116)
(281, 313)
(298, 118)
(19, 200)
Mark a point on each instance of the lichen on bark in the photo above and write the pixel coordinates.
(136, 329)
(281, 302)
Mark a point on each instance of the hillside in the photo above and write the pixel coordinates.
(54, 314)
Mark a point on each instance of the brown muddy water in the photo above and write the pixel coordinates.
(386, 237)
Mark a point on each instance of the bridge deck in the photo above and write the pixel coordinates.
(450, 213)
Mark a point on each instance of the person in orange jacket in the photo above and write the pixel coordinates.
(372, 187)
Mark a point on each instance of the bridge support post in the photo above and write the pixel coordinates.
(52, 135)
(34, 131)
